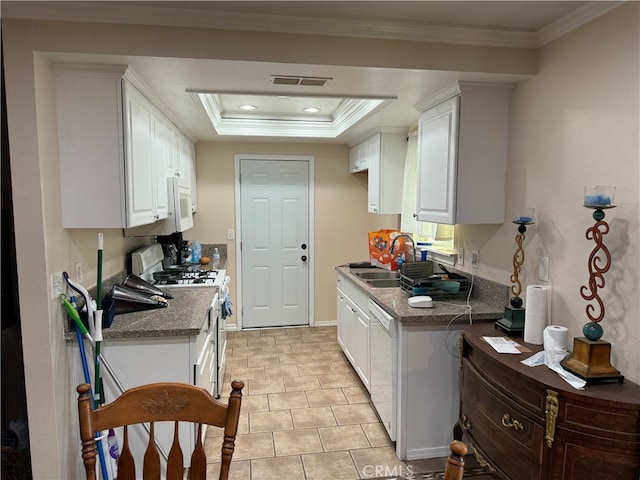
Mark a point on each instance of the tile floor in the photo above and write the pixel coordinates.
(305, 414)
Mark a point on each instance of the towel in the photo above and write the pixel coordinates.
(226, 307)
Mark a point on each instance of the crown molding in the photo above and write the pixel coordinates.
(580, 16)
(117, 12)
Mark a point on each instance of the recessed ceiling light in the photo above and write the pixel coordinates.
(312, 110)
(282, 96)
(247, 107)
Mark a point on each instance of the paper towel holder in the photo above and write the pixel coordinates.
(591, 357)
(513, 321)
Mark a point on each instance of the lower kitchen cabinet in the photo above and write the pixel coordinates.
(353, 330)
(527, 423)
(424, 396)
(137, 361)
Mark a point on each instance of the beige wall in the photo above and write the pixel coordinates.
(341, 221)
(576, 123)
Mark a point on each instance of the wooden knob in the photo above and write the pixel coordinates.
(459, 449)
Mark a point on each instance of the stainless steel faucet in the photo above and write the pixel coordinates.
(412, 243)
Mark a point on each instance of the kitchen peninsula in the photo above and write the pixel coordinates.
(409, 358)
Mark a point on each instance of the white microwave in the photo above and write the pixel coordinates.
(180, 218)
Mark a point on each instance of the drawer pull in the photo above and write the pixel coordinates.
(508, 422)
(481, 460)
(466, 423)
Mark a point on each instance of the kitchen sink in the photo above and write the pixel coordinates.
(378, 275)
(383, 282)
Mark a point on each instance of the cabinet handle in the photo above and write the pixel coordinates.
(551, 413)
(481, 460)
(415, 215)
(508, 422)
(466, 423)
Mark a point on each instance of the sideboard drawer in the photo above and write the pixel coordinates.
(503, 431)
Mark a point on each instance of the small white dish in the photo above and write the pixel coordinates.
(421, 301)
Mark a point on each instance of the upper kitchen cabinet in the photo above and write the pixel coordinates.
(112, 143)
(384, 156)
(462, 154)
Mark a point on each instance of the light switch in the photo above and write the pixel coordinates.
(231, 234)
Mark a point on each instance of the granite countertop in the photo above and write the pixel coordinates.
(394, 301)
(183, 317)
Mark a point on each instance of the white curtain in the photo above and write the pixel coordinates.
(410, 186)
(408, 223)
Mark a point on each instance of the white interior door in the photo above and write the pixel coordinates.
(274, 196)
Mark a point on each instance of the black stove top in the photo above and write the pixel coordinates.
(185, 277)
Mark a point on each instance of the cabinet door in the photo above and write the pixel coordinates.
(437, 158)
(194, 189)
(341, 313)
(358, 158)
(373, 152)
(349, 330)
(184, 161)
(361, 345)
(140, 180)
(161, 152)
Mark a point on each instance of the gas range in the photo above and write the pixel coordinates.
(147, 263)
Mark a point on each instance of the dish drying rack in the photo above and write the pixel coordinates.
(417, 278)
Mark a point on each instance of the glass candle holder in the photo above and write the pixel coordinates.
(599, 196)
(524, 215)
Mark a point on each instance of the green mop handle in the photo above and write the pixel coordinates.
(99, 397)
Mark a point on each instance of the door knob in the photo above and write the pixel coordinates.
(303, 258)
(303, 246)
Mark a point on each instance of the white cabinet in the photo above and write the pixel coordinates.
(194, 188)
(359, 158)
(383, 154)
(462, 154)
(353, 327)
(161, 152)
(108, 164)
(137, 361)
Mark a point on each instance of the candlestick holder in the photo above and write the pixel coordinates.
(513, 321)
(591, 357)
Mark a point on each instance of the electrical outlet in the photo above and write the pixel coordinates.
(231, 234)
(474, 258)
(543, 269)
(57, 285)
(460, 258)
(79, 272)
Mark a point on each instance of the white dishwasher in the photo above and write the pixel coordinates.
(383, 353)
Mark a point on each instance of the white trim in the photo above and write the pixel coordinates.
(238, 219)
(118, 12)
(564, 25)
(350, 112)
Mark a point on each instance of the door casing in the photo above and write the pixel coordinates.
(238, 221)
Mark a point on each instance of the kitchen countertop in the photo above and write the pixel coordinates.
(394, 301)
(183, 316)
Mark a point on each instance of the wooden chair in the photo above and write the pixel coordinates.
(160, 402)
(455, 463)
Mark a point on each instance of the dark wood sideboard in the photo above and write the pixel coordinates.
(527, 423)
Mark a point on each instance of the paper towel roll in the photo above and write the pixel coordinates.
(555, 344)
(537, 313)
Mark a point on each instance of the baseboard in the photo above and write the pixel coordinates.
(434, 452)
(325, 323)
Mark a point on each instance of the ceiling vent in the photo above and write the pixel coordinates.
(302, 81)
